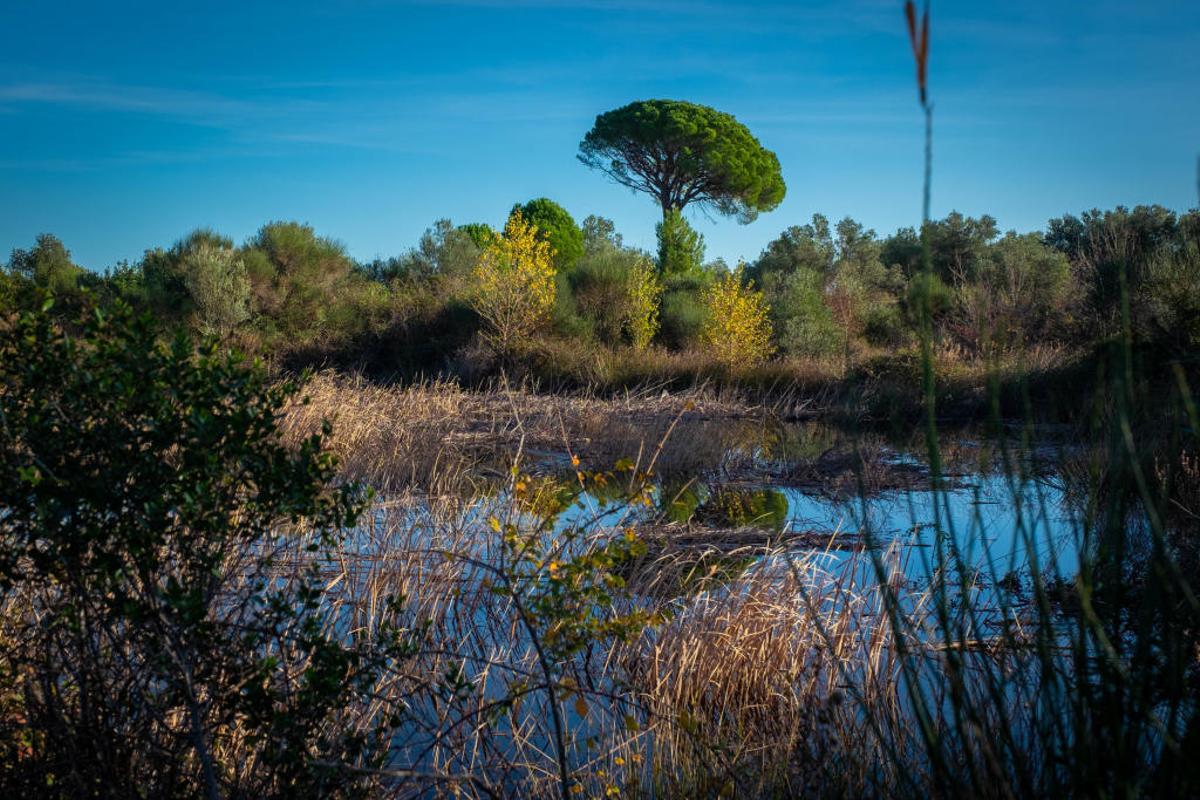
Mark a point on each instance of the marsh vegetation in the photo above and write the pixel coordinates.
(911, 516)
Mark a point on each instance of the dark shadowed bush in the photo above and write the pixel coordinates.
(157, 630)
(683, 311)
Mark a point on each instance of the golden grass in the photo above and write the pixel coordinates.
(757, 683)
(743, 686)
(774, 672)
(436, 436)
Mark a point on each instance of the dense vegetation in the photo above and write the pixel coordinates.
(192, 601)
(841, 302)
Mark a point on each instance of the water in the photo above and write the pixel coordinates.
(1001, 513)
(990, 524)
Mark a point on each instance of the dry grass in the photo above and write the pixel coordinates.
(437, 436)
(774, 670)
(743, 688)
(747, 684)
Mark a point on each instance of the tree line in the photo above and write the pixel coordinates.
(819, 290)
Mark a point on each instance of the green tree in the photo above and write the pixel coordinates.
(809, 247)
(1111, 248)
(599, 233)
(681, 153)
(903, 250)
(556, 225)
(445, 251)
(47, 265)
(958, 246)
(479, 232)
(1021, 293)
(680, 246)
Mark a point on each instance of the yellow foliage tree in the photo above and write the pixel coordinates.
(738, 328)
(644, 290)
(514, 285)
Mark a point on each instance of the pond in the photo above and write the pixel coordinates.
(1000, 510)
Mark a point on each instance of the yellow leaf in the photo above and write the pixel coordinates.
(581, 706)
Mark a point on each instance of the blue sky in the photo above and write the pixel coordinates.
(125, 125)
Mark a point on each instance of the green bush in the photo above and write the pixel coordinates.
(558, 227)
(803, 322)
(161, 629)
(929, 292)
(216, 282)
(1168, 301)
(683, 311)
(883, 325)
(297, 279)
(566, 319)
(599, 284)
(47, 265)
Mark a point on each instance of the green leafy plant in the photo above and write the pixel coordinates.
(162, 627)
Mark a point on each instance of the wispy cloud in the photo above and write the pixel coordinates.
(193, 106)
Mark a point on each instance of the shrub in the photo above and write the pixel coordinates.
(296, 277)
(566, 318)
(514, 286)
(616, 293)
(216, 280)
(883, 326)
(803, 321)
(443, 252)
(927, 291)
(1022, 288)
(47, 265)
(738, 327)
(683, 311)
(9, 293)
(644, 292)
(1168, 302)
(158, 632)
(1111, 247)
(599, 285)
